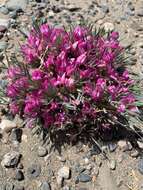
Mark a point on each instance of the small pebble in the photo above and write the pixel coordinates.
(72, 8)
(140, 166)
(112, 165)
(135, 154)
(84, 178)
(19, 175)
(18, 187)
(4, 10)
(42, 151)
(45, 186)
(108, 26)
(66, 188)
(11, 159)
(64, 172)
(112, 147)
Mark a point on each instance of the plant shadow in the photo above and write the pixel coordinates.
(92, 136)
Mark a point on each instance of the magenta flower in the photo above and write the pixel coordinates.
(37, 74)
(70, 78)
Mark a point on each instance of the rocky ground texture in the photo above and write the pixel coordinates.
(27, 164)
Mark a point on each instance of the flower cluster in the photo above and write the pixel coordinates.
(70, 78)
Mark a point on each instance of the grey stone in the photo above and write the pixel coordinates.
(45, 186)
(131, 6)
(108, 26)
(112, 147)
(16, 5)
(19, 175)
(2, 29)
(139, 12)
(34, 171)
(84, 178)
(105, 8)
(140, 166)
(11, 159)
(42, 151)
(4, 10)
(134, 154)
(51, 14)
(4, 22)
(112, 165)
(64, 172)
(18, 188)
(66, 188)
(13, 14)
(72, 7)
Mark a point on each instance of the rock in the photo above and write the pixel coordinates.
(135, 154)
(18, 188)
(64, 172)
(84, 178)
(140, 144)
(11, 159)
(5, 23)
(13, 14)
(2, 29)
(72, 8)
(112, 147)
(112, 164)
(41, 5)
(34, 171)
(139, 12)
(16, 135)
(105, 8)
(19, 175)
(45, 186)
(17, 5)
(86, 161)
(123, 145)
(3, 46)
(4, 10)
(66, 188)
(140, 166)
(131, 6)
(42, 151)
(9, 186)
(108, 26)
(51, 14)
(56, 9)
(7, 125)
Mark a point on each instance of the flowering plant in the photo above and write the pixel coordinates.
(71, 78)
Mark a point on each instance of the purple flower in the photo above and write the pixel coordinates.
(37, 74)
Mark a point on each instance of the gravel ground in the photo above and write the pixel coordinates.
(27, 164)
